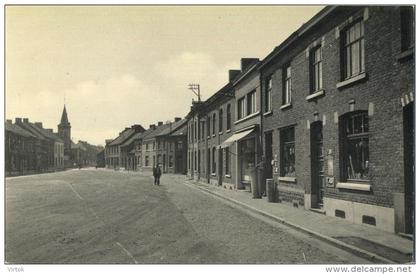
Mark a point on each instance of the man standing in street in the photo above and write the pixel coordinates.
(157, 172)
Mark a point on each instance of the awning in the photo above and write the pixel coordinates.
(235, 137)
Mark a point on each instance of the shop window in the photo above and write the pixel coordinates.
(353, 50)
(227, 161)
(354, 141)
(287, 152)
(316, 69)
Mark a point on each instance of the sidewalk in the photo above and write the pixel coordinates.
(368, 242)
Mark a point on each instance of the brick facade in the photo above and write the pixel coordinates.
(385, 80)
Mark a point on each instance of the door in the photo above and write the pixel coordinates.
(408, 127)
(220, 166)
(268, 170)
(208, 166)
(317, 165)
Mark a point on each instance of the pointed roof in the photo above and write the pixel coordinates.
(64, 119)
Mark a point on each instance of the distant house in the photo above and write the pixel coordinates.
(115, 153)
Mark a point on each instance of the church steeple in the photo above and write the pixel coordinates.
(64, 119)
(64, 131)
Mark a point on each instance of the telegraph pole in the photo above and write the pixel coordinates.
(195, 88)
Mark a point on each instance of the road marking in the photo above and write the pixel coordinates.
(75, 192)
(127, 252)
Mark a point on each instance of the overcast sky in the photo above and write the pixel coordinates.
(117, 66)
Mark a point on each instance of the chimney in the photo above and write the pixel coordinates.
(9, 121)
(137, 128)
(26, 120)
(18, 120)
(152, 126)
(233, 73)
(38, 124)
(177, 119)
(246, 63)
(160, 123)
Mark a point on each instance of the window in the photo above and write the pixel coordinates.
(214, 123)
(213, 157)
(208, 126)
(316, 69)
(179, 145)
(355, 146)
(154, 160)
(159, 160)
(154, 144)
(287, 152)
(189, 160)
(241, 108)
(227, 160)
(195, 130)
(287, 85)
(228, 117)
(407, 27)
(202, 129)
(353, 50)
(198, 129)
(267, 94)
(147, 147)
(199, 162)
(146, 160)
(221, 120)
(158, 144)
(251, 102)
(195, 160)
(171, 161)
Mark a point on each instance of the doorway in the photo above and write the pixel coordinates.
(317, 165)
(408, 128)
(208, 166)
(220, 166)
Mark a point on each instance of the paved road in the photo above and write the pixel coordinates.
(104, 216)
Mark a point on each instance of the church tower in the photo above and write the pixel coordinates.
(64, 131)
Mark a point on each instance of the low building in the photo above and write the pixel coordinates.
(153, 148)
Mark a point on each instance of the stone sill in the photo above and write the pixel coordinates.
(407, 54)
(228, 176)
(287, 179)
(220, 133)
(213, 174)
(247, 117)
(314, 95)
(228, 130)
(286, 106)
(354, 186)
(268, 113)
(352, 80)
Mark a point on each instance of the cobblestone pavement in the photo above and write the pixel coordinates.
(104, 216)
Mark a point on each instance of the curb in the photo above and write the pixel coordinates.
(350, 248)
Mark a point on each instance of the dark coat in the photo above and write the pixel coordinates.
(157, 172)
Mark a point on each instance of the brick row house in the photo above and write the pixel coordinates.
(116, 152)
(328, 115)
(140, 150)
(30, 148)
(165, 145)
